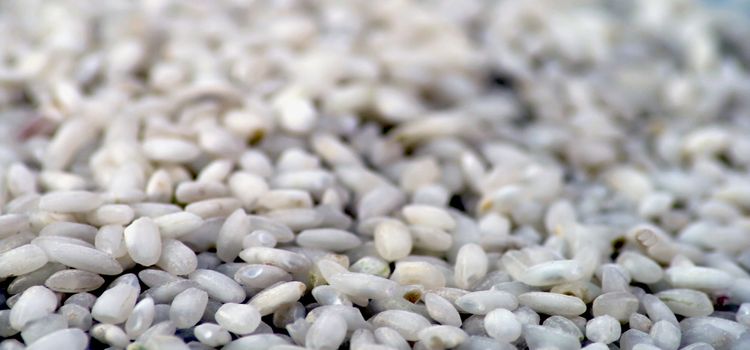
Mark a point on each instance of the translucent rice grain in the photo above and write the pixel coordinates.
(442, 336)
(214, 207)
(698, 346)
(288, 314)
(187, 307)
(171, 150)
(159, 187)
(418, 272)
(167, 342)
(380, 201)
(406, 323)
(427, 215)
(502, 325)
(441, 310)
(687, 302)
(603, 329)
(371, 265)
(212, 335)
(716, 332)
(481, 342)
(743, 314)
(5, 328)
(392, 240)
(641, 268)
(193, 191)
(259, 238)
(553, 304)
(389, 337)
(256, 341)
(218, 286)
(361, 337)
(140, 318)
(272, 298)
(540, 337)
(360, 285)
(229, 241)
(110, 334)
(176, 258)
(86, 300)
(552, 273)
(327, 332)
(71, 338)
(694, 277)
(177, 224)
(247, 187)
(164, 328)
(70, 201)
(261, 276)
(284, 199)
(482, 302)
(430, 238)
(115, 304)
(471, 265)
(218, 170)
(143, 241)
(22, 260)
(79, 256)
(314, 181)
(154, 210)
(657, 310)
(640, 322)
(328, 239)
(284, 259)
(61, 181)
(620, 305)
(110, 240)
(632, 338)
(565, 325)
(74, 281)
(666, 335)
(327, 295)
(111, 214)
(82, 232)
(20, 180)
(156, 277)
(72, 135)
(239, 319)
(35, 303)
(281, 232)
(43, 326)
(11, 224)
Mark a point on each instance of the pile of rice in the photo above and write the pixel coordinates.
(367, 175)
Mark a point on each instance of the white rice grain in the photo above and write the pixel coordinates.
(327, 332)
(70, 201)
(267, 301)
(35, 303)
(218, 286)
(115, 304)
(73, 281)
(471, 265)
(22, 260)
(143, 241)
(392, 240)
(187, 307)
(407, 324)
(553, 304)
(328, 239)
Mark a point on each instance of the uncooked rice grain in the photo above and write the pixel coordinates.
(375, 175)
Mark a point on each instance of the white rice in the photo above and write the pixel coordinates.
(465, 174)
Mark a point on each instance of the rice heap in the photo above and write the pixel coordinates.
(372, 175)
